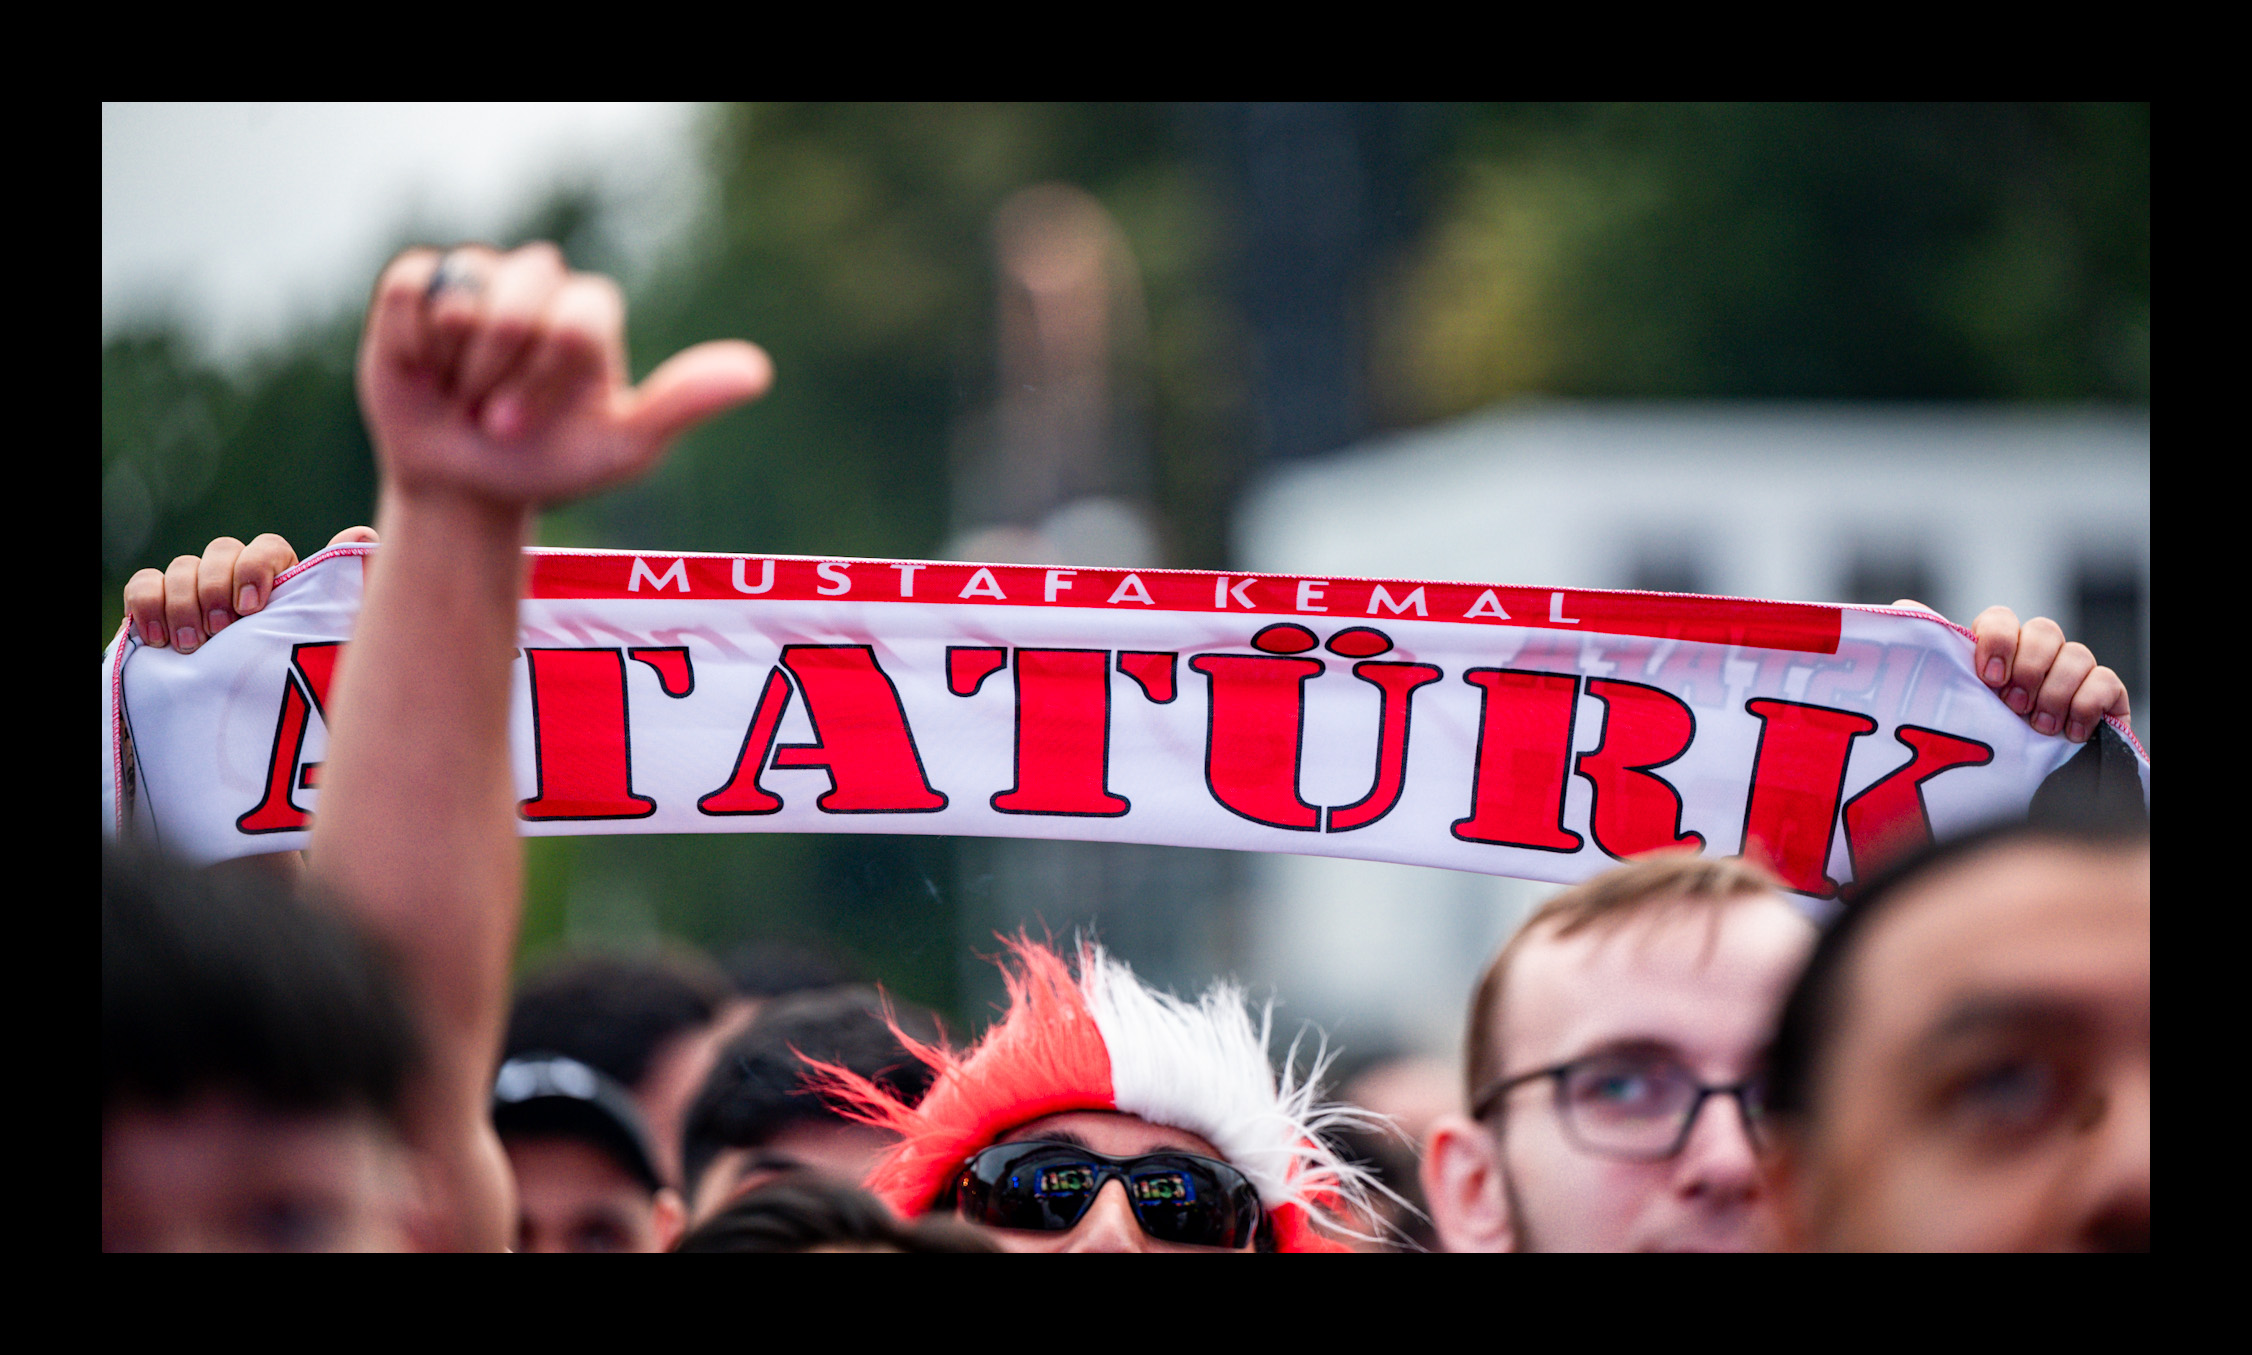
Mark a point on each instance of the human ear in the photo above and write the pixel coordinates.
(669, 1217)
(1462, 1186)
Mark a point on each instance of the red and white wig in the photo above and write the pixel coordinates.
(1093, 1037)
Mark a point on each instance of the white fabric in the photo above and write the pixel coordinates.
(690, 645)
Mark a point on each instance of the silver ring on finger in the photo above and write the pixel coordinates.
(452, 274)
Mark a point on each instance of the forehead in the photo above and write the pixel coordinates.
(1702, 978)
(1114, 1134)
(195, 1171)
(2045, 922)
(561, 1165)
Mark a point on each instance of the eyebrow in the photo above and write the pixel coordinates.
(772, 1162)
(1981, 1016)
(1639, 1046)
(758, 1170)
(1063, 1136)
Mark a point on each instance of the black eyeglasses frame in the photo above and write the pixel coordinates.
(1747, 1095)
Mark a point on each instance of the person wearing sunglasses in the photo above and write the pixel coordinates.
(1100, 1115)
(1615, 1074)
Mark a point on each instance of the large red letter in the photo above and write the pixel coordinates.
(743, 794)
(1524, 760)
(861, 736)
(1063, 735)
(277, 811)
(582, 752)
(1798, 776)
(1398, 682)
(1888, 819)
(1256, 717)
(1644, 728)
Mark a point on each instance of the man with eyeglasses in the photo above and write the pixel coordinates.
(1614, 1068)
(1100, 1115)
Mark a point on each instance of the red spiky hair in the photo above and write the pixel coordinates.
(1044, 1057)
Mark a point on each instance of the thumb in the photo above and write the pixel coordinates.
(697, 384)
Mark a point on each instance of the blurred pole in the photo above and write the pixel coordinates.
(1324, 194)
(1057, 470)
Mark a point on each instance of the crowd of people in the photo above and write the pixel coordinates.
(1669, 1056)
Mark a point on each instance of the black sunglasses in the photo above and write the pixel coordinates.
(1046, 1187)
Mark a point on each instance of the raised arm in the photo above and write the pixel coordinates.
(492, 385)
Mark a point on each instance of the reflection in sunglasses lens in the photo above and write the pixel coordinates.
(1050, 1187)
(1164, 1188)
(1076, 1179)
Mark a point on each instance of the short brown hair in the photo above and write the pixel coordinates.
(1608, 900)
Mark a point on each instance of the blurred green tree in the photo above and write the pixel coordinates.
(1812, 251)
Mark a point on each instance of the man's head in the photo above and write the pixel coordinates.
(811, 1212)
(1098, 1115)
(1613, 1046)
(254, 1059)
(757, 1117)
(652, 1023)
(586, 1178)
(1965, 1064)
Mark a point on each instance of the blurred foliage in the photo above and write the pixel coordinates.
(1863, 251)
(1818, 251)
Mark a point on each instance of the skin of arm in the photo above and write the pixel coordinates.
(485, 400)
(417, 825)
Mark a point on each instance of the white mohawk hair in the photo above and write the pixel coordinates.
(1204, 1067)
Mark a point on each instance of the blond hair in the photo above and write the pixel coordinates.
(1652, 884)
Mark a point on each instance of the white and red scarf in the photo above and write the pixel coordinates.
(1534, 732)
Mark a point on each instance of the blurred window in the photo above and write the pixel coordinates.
(1881, 579)
(1669, 571)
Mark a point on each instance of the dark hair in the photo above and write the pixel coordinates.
(756, 1088)
(613, 1012)
(1808, 1025)
(802, 1211)
(774, 968)
(230, 984)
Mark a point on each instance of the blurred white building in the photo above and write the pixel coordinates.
(2046, 511)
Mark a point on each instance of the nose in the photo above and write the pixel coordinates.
(1720, 1161)
(1109, 1224)
(2114, 1171)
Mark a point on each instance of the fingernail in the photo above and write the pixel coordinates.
(187, 638)
(152, 635)
(247, 601)
(218, 619)
(2077, 731)
(2045, 723)
(1996, 670)
(2017, 700)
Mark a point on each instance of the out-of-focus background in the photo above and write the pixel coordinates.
(1844, 353)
